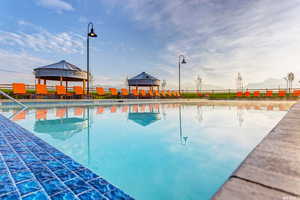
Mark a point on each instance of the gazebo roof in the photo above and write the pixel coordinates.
(143, 79)
(143, 75)
(62, 65)
(145, 118)
(62, 70)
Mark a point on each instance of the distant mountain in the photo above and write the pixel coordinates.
(268, 83)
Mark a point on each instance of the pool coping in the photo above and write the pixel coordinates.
(30, 168)
(272, 169)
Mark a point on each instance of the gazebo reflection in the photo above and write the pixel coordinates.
(61, 129)
(143, 117)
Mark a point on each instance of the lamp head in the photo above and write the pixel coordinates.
(183, 61)
(92, 33)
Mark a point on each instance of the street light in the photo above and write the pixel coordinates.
(90, 33)
(181, 60)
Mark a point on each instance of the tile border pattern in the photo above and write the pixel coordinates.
(30, 168)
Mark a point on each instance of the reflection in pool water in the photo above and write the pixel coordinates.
(168, 151)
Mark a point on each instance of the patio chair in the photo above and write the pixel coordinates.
(135, 92)
(113, 91)
(61, 90)
(100, 91)
(269, 93)
(296, 93)
(143, 93)
(256, 93)
(163, 93)
(282, 93)
(78, 91)
(41, 89)
(124, 92)
(156, 93)
(169, 93)
(247, 94)
(150, 93)
(239, 94)
(19, 89)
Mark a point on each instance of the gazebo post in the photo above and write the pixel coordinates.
(61, 79)
(39, 81)
(45, 82)
(83, 85)
(66, 86)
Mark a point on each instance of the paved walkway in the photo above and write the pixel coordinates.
(31, 169)
(272, 170)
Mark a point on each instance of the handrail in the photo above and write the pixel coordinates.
(13, 99)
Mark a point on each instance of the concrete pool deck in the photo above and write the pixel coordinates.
(272, 169)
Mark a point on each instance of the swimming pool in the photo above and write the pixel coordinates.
(155, 151)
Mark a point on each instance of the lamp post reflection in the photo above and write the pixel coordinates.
(183, 139)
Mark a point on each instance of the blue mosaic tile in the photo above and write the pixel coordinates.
(44, 175)
(86, 174)
(36, 196)
(65, 195)
(22, 176)
(10, 196)
(72, 165)
(54, 165)
(92, 195)
(15, 166)
(53, 186)
(101, 185)
(28, 187)
(64, 174)
(77, 185)
(6, 188)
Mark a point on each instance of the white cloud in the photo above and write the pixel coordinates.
(18, 66)
(57, 5)
(41, 40)
(260, 39)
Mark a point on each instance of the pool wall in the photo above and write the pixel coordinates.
(272, 169)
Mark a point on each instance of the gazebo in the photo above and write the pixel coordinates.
(143, 80)
(61, 71)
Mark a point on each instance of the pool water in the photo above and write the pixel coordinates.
(155, 151)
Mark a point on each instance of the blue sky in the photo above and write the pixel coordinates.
(260, 39)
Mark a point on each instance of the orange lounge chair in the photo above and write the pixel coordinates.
(135, 92)
(174, 93)
(41, 89)
(41, 114)
(239, 94)
(78, 111)
(143, 93)
(178, 94)
(150, 92)
(281, 93)
(199, 94)
(19, 88)
(124, 92)
(100, 91)
(100, 110)
(269, 93)
(61, 90)
(256, 93)
(61, 112)
(163, 93)
(296, 93)
(156, 93)
(247, 94)
(113, 91)
(169, 93)
(78, 90)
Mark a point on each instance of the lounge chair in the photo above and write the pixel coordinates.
(113, 91)
(239, 94)
(269, 93)
(41, 89)
(61, 91)
(247, 94)
(156, 93)
(296, 93)
(150, 93)
(19, 89)
(135, 92)
(124, 92)
(143, 93)
(282, 93)
(78, 90)
(256, 93)
(163, 93)
(100, 91)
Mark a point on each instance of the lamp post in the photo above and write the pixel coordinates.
(90, 33)
(181, 60)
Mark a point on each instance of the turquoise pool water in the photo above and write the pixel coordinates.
(168, 151)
